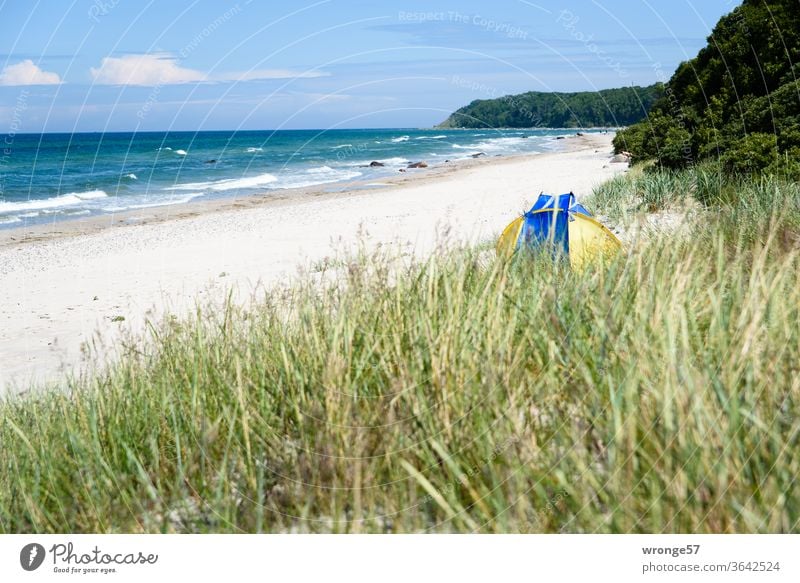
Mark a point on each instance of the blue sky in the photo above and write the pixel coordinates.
(122, 65)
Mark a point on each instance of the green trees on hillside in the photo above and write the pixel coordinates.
(605, 108)
(737, 102)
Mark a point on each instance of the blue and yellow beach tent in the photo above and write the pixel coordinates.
(562, 223)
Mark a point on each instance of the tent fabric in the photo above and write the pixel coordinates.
(508, 239)
(563, 225)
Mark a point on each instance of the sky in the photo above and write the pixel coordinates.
(142, 65)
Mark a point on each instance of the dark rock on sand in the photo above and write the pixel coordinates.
(418, 165)
(375, 164)
(478, 155)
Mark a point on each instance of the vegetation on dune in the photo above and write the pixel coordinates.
(737, 102)
(656, 393)
(584, 109)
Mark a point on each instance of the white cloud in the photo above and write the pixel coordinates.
(143, 70)
(27, 73)
(161, 69)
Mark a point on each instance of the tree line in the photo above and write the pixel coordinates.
(584, 109)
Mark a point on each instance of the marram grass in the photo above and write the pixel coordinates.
(655, 393)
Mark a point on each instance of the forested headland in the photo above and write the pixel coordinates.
(584, 109)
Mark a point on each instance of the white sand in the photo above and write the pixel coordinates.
(61, 292)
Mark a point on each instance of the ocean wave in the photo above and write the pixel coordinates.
(495, 144)
(227, 184)
(320, 175)
(9, 220)
(88, 195)
(442, 137)
(396, 161)
(251, 150)
(182, 200)
(132, 176)
(52, 202)
(400, 139)
(321, 170)
(180, 152)
(167, 201)
(342, 146)
(331, 173)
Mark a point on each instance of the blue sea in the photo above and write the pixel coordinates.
(50, 177)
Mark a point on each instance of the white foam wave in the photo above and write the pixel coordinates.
(321, 170)
(397, 161)
(88, 195)
(431, 137)
(251, 150)
(400, 139)
(9, 220)
(496, 145)
(165, 201)
(342, 146)
(394, 161)
(132, 176)
(168, 202)
(180, 152)
(228, 184)
(314, 177)
(51, 203)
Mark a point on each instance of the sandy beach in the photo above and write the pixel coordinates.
(83, 283)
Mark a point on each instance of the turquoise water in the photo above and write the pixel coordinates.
(49, 177)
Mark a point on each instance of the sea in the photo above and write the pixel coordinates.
(52, 177)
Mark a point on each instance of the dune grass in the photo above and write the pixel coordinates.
(654, 393)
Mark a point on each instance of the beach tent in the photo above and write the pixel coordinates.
(562, 224)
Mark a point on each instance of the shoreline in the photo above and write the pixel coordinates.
(17, 235)
(80, 286)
